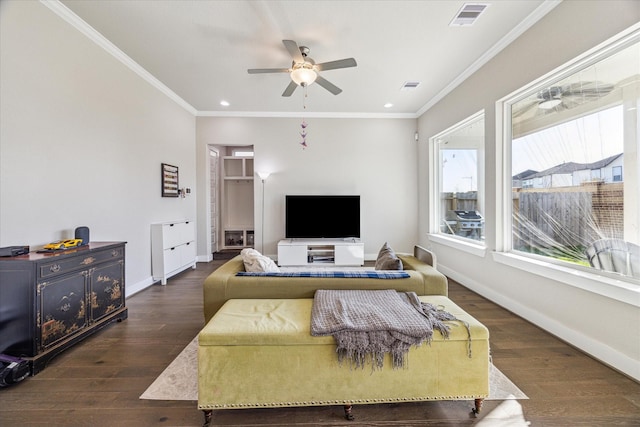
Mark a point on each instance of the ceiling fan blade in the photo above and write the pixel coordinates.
(294, 50)
(569, 102)
(290, 89)
(524, 109)
(588, 89)
(267, 70)
(340, 63)
(328, 85)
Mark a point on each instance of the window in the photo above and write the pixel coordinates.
(617, 173)
(459, 161)
(572, 137)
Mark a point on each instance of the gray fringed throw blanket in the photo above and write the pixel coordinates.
(368, 324)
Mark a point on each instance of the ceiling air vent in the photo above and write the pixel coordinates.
(410, 85)
(468, 14)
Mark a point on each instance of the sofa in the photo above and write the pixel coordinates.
(225, 284)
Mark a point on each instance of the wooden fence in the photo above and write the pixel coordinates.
(567, 216)
(558, 217)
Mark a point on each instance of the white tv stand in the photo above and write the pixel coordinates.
(295, 252)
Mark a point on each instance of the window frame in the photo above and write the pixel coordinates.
(621, 288)
(471, 246)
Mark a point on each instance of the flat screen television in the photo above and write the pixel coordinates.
(313, 217)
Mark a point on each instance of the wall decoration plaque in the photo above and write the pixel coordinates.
(169, 180)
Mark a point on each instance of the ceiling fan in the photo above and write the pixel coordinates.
(563, 97)
(304, 70)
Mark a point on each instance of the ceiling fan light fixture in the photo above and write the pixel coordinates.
(549, 103)
(304, 70)
(303, 75)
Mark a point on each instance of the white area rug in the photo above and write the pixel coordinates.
(179, 381)
(507, 414)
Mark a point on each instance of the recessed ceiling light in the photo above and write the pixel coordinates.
(224, 103)
(388, 105)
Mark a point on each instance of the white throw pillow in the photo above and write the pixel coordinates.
(255, 262)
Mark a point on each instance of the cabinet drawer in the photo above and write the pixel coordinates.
(177, 233)
(172, 259)
(68, 264)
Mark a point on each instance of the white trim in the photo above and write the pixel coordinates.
(131, 290)
(593, 347)
(617, 289)
(75, 21)
(433, 185)
(597, 53)
(461, 124)
(317, 115)
(601, 283)
(503, 181)
(459, 243)
(516, 32)
(435, 169)
(204, 258)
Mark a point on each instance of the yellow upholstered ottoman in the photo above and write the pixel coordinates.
(258, 353)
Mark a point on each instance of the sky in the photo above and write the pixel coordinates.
(584, 140)
(460, 171)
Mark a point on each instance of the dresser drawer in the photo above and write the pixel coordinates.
(67, 264)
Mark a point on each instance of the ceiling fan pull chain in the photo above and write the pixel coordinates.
(304, 97)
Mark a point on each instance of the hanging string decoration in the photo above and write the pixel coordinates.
(304, 125)
(304, 134)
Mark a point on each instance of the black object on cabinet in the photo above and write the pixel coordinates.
(82, 233)
(49, 302)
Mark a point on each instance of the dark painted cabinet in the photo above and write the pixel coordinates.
(49, 302)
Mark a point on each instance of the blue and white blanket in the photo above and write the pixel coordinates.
(366, 274)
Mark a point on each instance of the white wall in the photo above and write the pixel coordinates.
(607, 328)
(81, 141)
(374, 158)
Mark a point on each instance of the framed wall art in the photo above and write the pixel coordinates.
(169, 180)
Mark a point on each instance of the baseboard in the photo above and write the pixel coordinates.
(370, 257)
(595, 349)
(204, 258)
(137, 287)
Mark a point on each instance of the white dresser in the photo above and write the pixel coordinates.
(173, 248)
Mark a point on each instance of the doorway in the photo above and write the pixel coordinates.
(214, 172)
(231, 199)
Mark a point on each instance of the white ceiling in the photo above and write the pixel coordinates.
(201, 50)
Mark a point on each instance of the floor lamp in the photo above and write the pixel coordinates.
(263, 176)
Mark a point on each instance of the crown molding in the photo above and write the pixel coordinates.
(75, 21)
(78, 23)
(516, 32)
(317, 115)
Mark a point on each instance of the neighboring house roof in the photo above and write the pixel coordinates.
(570, 167)
(565, 168)
(604, 162)
(524, 175)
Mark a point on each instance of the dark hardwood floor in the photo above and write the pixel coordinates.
(98, 382)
